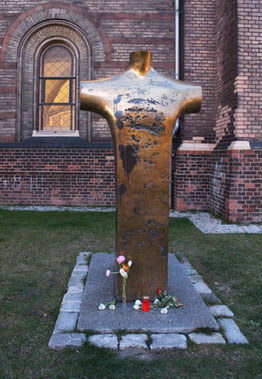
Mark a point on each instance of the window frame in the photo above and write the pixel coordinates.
(39, 55)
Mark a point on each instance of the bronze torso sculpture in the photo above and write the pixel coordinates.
(141, 107)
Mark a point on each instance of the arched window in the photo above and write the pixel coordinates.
(56, 89)
(40, 110)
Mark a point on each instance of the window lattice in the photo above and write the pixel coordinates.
(57, 89)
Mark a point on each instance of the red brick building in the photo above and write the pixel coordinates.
(54, 154)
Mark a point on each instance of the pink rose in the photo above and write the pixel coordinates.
(120, 259)
(108, 272)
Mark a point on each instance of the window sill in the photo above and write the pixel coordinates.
(36, 133)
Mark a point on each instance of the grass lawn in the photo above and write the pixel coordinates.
(38, 251)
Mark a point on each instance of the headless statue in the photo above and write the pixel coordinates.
(141, 107)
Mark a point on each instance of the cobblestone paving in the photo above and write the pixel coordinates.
(65, 332)
(204, 221)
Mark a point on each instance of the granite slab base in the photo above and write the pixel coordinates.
(194, 313)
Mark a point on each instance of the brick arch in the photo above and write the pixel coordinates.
(28, 53)
(56, 10)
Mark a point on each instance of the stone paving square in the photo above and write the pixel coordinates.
(201, 338)
(133, 341)
(100, 289)
(168, 341)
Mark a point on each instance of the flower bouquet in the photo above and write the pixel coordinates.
(163, 301)
(124, 269)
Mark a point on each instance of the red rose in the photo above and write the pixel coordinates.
(178, 299)
(158, 291)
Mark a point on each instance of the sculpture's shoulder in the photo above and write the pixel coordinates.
(184, 88)
(131, 90)
(188, 95)
(132, 80)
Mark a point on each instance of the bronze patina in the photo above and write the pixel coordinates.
(141, 107)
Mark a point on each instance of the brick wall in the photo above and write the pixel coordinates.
(191, 177)
(200, 65)
(57, 176)
(71, 176)
(222, 49)
(113, 29)
(239, 50)
(120, 25)
(220, 182)
(236, 185)
(249, 84)
(192, 166)
(226, 96)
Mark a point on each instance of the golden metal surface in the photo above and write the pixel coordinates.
(141, 107)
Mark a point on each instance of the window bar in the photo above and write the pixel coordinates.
(71, 116)
(41, 115)
(43, 90)
(70, 91)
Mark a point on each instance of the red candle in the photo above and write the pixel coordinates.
(145, 304)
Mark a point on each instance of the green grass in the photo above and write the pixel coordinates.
(38, 252)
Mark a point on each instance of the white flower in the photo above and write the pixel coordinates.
(112, 306)
(136, 307)
(156, 301)
(129, 263)
(102, 307)
(108, 272)
(164, 310)
(123, 273)
(138, 302)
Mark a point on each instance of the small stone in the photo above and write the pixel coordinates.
(81, 261)
(83, 268)
(201, 338)
(221, 311)
(232, 331)
(76, 289)
(186, 265)
(187, 268)
(85, 254)
(61, 341)
(79, 274)
(254, 229)
(75, 281)
(202, 288)
(104, 340)
(66, 322)
(210, 298)
(72, 297)
(70, 307)
(168, 341)
(133, 340)
(196, 279)
(181, 258)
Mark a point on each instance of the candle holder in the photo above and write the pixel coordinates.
(145, 304)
